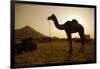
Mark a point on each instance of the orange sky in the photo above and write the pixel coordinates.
(36, 17)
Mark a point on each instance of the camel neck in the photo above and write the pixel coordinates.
(58, 26)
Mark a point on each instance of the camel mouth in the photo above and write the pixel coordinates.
(48, 18)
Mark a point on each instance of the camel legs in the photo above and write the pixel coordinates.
(70, 43)
(82, 41)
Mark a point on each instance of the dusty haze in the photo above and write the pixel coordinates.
(36, 17)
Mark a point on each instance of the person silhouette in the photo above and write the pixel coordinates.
(29, 44)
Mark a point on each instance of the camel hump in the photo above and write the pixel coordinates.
(74, 21)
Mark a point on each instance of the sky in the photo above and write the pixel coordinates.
(36, 17)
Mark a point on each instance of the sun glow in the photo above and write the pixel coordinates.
(33, 17)
(78, 18)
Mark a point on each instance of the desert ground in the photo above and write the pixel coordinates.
(56, 52)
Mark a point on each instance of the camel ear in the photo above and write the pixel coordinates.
(52, 13)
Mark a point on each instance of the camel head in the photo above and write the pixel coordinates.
(51, 17)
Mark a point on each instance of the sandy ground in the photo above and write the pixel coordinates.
(56, 52)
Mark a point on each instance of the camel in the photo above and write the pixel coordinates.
(70, 27)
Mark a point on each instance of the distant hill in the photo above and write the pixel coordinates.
(27, 32)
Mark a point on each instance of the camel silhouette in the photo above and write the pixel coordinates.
(70, 27)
